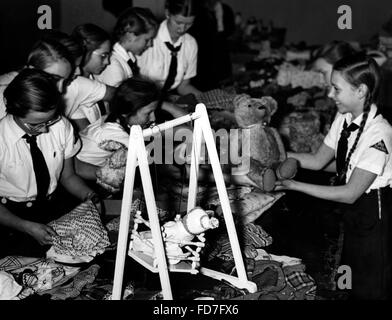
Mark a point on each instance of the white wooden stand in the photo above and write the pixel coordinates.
(137, 155)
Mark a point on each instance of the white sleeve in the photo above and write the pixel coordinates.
(79, 113)
(333, 134)
(191, 70)
(73, 143)
(90, 91)
(114, 133)
(113, 74)
(375, 155)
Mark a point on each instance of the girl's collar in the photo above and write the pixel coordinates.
(373, 112)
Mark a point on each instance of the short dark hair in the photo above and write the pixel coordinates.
(186, 8)
(32, 89)
(136, 20)
(133, 94)
(334, 51)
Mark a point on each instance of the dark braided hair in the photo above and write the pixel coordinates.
(356, 70)
(133, 94)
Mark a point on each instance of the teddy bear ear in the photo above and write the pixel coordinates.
(271, 104)
(111, 145)
(241, 98)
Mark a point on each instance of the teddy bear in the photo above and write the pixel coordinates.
(262, 144)
(111, 175)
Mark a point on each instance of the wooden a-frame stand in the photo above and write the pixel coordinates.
(137, 155)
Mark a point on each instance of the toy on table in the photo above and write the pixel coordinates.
(178, 236)
(266, 152)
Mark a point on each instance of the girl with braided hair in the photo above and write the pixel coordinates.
(360, 140)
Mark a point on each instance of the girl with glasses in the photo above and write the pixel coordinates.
(36, 155)
(97, 50)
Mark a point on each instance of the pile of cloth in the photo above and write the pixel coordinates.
(80, 235)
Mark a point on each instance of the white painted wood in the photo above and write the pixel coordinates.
(138, 155)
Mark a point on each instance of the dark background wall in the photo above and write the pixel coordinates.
(313, 21)
(19, 30)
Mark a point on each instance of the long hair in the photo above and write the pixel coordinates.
(73, 45)
(132, 95)
(31, 89)
(48, 51)
(356, 70)
(91, 37)
(186, 8)
(135, 20)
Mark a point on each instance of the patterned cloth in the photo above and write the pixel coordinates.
(81, 235)
(245, 202)
(36, 275)
(217, 99)
(10, 263)
(302, 283)
(251, 237)
(74, 288)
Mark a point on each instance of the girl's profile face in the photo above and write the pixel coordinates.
(99, 59)
(345, 95)
(178, 25)
(62, 72)
(139, 44)
(144, 116)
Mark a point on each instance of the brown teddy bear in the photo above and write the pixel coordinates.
(261, 145)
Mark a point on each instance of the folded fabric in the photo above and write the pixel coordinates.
(74, 288)
(284, 260)
(81, 235)
(9, 288)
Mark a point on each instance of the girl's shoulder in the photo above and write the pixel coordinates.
(189, 40)
(380, 130)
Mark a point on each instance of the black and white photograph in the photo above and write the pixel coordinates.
(200, 155)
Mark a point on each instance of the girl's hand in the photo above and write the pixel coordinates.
(40, 232)
(284, 185)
